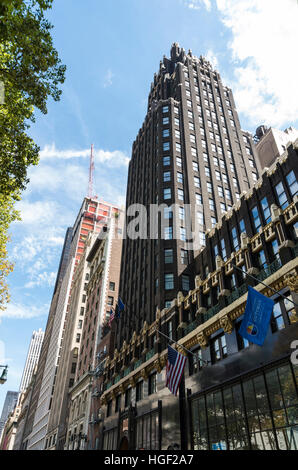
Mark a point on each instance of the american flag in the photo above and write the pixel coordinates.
(112, 316)
(175, 367)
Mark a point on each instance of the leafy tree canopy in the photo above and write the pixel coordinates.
(30, 73)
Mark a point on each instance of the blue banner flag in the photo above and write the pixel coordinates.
(257, 317)
(120, 304)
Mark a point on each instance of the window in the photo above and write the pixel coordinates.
(117, 403)
(195, 166)
(110, 300)
(209, 187)
(256, 218)
(181, 194)
(177, 122)
(176, 110)
(220, 191)
(167, 193)
(166, 176)
(194, 152)
(78, 338)
(112, 286)
(207, 172)
(262, 259)
(181, 213)
(166, 132)
(223, 249)
(218, 348)
(184, 256)
(127, 401)
(166, 146)
(235, 240)
(178, 147)
(292, 183)
(200, 216)
(165, 120)
(179, 177)
(169, 281)
(202, 238)
(167, 213)
(166, 161)
(169, 256)
(282, 197)
(168, 233)
(217, 175)
(177, 134)
(266, 210)
(199, 200)
(213, 221)
(109, 408)
(179, 161)
(139, 390)
(185, 282)
(152, 384)
(197, 182)
(170, 329)
(284, 313)
(192, 139)
(191, 126)
(211, 205)
(195, 361)
(182, 234)
(242, 226)
(165, 109)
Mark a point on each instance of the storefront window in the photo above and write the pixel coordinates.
(259, 413)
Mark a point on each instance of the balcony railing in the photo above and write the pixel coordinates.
(149, 354)
(237, 293)
(211, 312)
(138, 364)
(271, 269)
(192, 326)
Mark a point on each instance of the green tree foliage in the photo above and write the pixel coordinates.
(30, 73)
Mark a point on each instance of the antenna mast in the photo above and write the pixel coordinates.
(91, 174)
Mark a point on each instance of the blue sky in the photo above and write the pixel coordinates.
(112, 49)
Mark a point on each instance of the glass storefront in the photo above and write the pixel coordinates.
(257, 412)
(147, 431)
(110, 439)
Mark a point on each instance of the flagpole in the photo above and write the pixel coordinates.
(260, 282)
(190, 352)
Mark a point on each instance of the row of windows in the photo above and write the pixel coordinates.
(152, 388)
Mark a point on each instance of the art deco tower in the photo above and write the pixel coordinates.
(189, 151)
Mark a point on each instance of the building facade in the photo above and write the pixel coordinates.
(192, 154)
(103, 255)
(93, 217)
(237, 395)
(9, 404)
(32, 358)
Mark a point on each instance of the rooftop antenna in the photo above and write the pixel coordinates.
(91, 175)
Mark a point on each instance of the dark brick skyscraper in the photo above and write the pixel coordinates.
(190, 150)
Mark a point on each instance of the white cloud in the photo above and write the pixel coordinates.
(116, 157)
(41, 279)
(211, 57)
(264, 39)
(197, 4)
(20, 311)
(263, 57)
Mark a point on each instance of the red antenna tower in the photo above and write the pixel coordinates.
(91, 175)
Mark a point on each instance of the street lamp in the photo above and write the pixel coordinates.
(3, 377)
